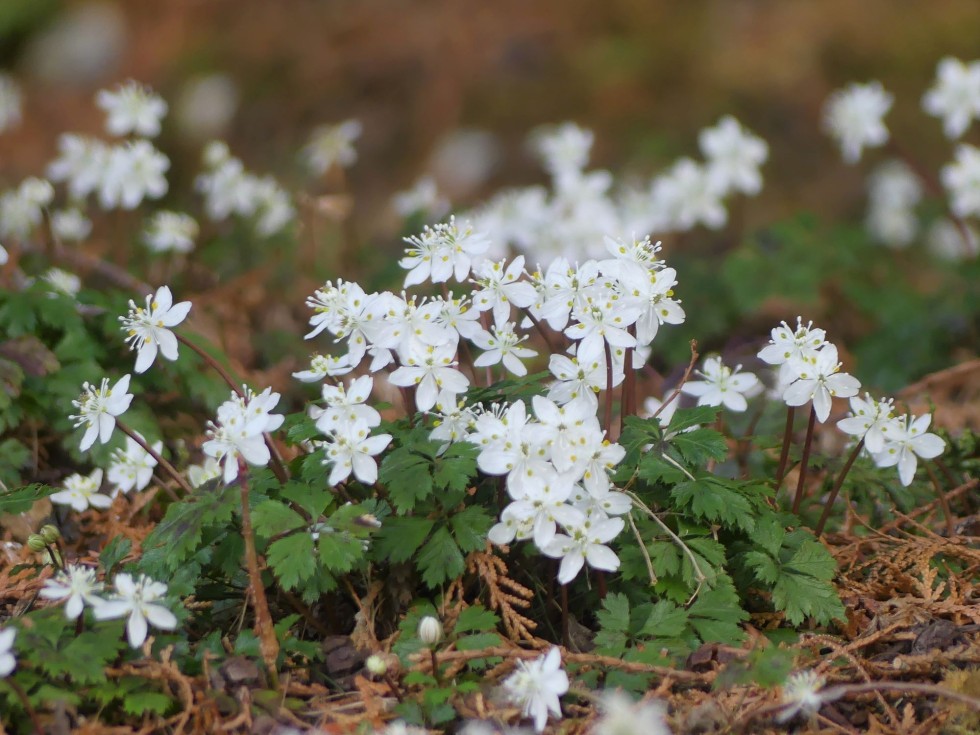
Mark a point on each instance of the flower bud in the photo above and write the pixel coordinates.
(376, 665)
(430, 630)
(50, 533)
(36, 542)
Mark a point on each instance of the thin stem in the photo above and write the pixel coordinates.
(609, 391)
(643, 549)
(22, 696)
(170, 469)
(565, 638)
(805, 460)
(268, 644)
(698, 574)
(435, 666)
(831, 499)
(784, 454)
(684, 378)
(628, 403)
(543, 332)
(943, 502)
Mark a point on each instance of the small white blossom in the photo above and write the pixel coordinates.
(132, 468)
(77, 585)
(734, 157)
(98, 409)
(820, 380)
(170, 232)
(871, 420)
(332, 144)
(82, 492)
(962, 180)
(21, 209)
(132, 108)
(622, 716)
(62, 281)
(70, 225)
(133, 172)
(536, 685)
(148, 329)
(137, 600)
(722, 386)
(955, 97)
(353, 450)
(801, 694)
(853, 117)
(908, 441)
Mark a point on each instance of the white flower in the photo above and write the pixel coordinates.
(21, 210)
(148, 330)
(132, 108)
(132, 468)
(98, 408)
(346, 405)
(734, 157)
(502, 344)
(820, 380)
(422, 198)
(622, 716)
(7, 661)
(82, 162)
(70, 225)
(500, 286)
(332, 144)
(82, 491)
(134, 172)
(563, 148)
(962, 179)
(536, 686)
(722, 386)
(9, 103)
(950, 241)
(441, 252)
(894, 190)
(62, 281)
(322, 366)
(241, 422)
(170, 232)
(431, 370)
(136, 599)
(906, 443)
(787, 344)
(353, 450)
(853, 117)
(873, 421)
(77, 585)
(801, 693)
(274, 208)
(955, 97)
(586, 542)
(198, 474)
(691, 195)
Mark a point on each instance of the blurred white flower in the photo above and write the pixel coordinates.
(801, 693)
(853, 117)
(132, 468)
(536, 685)
(422, 198)
(170, 232)
(21, 210)
(132, 108)
(622, 716)
(81, 162)
(10, 112)
(7, 661)
(950, 241)
(206, 105)
(77, 585)
(62, 281)
(137, 600)
(955, 96)
(734, 157)
(893, 192)
(134, 172)
(70, 225)
(962, 179)
(332, 144)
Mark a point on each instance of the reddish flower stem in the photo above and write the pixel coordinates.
(832, 498)
(170, 469)
(784, 454)
(804, 460)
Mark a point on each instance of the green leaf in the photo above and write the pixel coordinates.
(440, 559)
(407, 476)
(666, 620)
(114, 552)
(313, 497)
(476, 618)
(20, 500)
(716, 614)
(142, 702)
(477, 641)
(339, 551)
(456, 467)
(399, 538)
(654, 468)
(615, 613)
(292, 559)
(179, 534)
(271, 518)
(716, 499)
(700, 445)
(470, 527)
(684, 418)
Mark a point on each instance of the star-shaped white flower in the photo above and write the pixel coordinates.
(907, 443)
(955, 97)
(137, 600)
(536, 686)
(148, 329)
(77, 585)
(722, 386)
(853, 117)
(98, 409)
(820, 380)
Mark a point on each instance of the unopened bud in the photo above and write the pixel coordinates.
(430, 630)
(376, 665)
(50, 533)
(36, 542)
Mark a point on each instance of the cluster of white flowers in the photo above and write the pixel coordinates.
(809, 371)
(239, 430)
(582, 207)
(134, 599)
(170, 232)
(893, 193)
(22, 209)
(229, 189)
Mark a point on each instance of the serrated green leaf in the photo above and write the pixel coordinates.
(684, 418)
(813, 560)
(139, 703)
(476, 618)
(407, 476)
(313, 497)
(440, 559)
(615, 613)
(665, 620)
(477, 641)
(654, 468)
(717, 500)
(20, 500)
(272, 517)
(698, 446)
(399, 538)
(455, 469)
(716, 613)
(339, 552)
(470, 527)
(765, 568)
(181, 530)
(292, 559)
